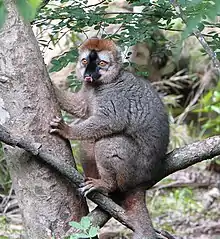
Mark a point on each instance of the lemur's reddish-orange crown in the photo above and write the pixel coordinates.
(98, 45)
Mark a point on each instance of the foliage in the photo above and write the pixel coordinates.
(209, 107)
(179, 199)
(27, 8)
(77, 17)
(199, 13)
(5, 180)
(6, 231)
(85, 227)
(3, 13)
(168, 206)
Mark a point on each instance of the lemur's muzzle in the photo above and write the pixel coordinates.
(92, 72)
(88, 79)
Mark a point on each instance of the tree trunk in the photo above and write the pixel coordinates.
(46, 199)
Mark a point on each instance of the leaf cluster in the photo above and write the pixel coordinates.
(77, 18)
(85, 227)
(209, 107)
(199, 13)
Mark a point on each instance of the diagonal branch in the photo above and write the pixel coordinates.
(176, 160)
(68, 171)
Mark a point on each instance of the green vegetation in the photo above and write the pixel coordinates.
(5, 181)
(191, 95)
(209, 107)
(86, 229)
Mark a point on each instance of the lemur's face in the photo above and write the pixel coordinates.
(97, 65)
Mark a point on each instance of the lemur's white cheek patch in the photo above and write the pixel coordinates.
(102, 72)
(84, 54)
(82, 71)
(104, 56)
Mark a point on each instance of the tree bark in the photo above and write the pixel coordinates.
(47, 199)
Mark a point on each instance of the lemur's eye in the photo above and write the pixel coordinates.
(103, 63)
(84, 61)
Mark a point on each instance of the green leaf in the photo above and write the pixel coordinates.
(85, 223)
(207, 97)
(73, 237)
(55, 62)
(191, 25)
(55, 68)
(182, 2)
(193, 3)
(3, 13)
(201, 27)
(28, 8)
(215, 108)
(93, 231)
(216, 96)
(81, 235)
(70, 77)
(35, 3)
(76, 225)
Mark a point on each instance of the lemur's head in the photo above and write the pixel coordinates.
(99, 61)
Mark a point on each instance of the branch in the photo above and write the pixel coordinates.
(96, 4)
(67, 170)
(176, 160)
(43, 4)
(199, 36)
(188, 155)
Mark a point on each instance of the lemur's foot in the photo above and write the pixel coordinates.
(92, 184)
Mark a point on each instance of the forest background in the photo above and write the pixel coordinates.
(176, 45)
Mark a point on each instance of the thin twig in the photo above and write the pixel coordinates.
(96, 4)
